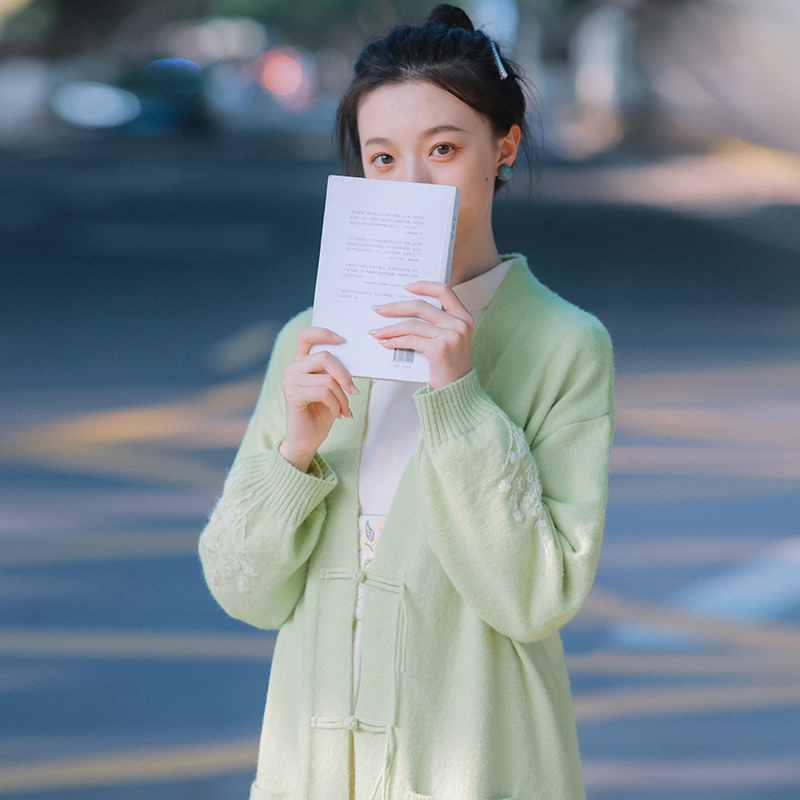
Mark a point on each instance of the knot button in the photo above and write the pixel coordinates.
(351, 723)
(360, 575)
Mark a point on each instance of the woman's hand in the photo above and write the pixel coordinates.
(314, 388)
(443, 336)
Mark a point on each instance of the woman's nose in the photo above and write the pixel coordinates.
(417, 171)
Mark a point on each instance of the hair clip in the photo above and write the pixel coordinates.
(500, 68)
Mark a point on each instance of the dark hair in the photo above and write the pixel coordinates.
(447, 51)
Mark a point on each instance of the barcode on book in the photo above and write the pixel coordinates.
(404, 356)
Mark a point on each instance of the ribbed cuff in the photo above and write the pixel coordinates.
(454, 409)
(277, 484)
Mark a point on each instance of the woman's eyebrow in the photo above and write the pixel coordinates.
(424, 135)
(377, 140)
(441, 129)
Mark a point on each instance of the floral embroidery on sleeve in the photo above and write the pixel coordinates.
(522, 484)
(224, 536)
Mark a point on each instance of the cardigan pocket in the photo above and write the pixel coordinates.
(260, 794)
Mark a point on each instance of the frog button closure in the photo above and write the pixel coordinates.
(351, 723)
(360, 575)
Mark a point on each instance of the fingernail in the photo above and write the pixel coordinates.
(349, 413)
(376, 308)
(353, 389)
(336, 336)
(372, 332)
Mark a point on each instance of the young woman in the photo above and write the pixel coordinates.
(434, 671)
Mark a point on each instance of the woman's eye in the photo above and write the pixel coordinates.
(443, 149)
(382, 158)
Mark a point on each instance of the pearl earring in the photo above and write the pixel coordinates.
(504, 172)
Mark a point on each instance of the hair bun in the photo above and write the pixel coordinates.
(450, 17)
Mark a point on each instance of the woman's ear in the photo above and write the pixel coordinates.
(509, 145)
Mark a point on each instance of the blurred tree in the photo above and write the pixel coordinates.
(317, 23)
(68, 27)
(24, 23)
(314, 22)
(71, 27)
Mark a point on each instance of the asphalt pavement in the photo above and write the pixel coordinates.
(143, 282)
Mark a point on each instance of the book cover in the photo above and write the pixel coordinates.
(378, 236)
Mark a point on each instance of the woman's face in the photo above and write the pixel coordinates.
(415, 131)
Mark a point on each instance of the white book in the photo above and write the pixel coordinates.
(378, 236)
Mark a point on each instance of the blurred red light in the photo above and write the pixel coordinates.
(280, 71)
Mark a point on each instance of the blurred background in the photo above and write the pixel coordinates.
(162, 178)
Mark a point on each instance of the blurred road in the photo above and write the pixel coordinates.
(142, 284)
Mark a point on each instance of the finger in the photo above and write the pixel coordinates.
(443, 293)
(314, 335)
(430, 348)
(321, 388)
(323, 362)
(421, 309)
(452, 331)
(328, 382)
(406, 328)
(300, 398)
(442, 341)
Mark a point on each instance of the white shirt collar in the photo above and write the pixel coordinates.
(478, 292)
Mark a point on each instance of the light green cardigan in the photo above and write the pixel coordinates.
(489, 546)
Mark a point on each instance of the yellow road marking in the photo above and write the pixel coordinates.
(132, 767)
(652, 701)
(135, 645)
(127, 461)
(768, 463)
(143, 442)
(156, 422)
(710, 424)
(703, 386)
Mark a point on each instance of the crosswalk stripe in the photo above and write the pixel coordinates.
(605, 604)
(759, 590)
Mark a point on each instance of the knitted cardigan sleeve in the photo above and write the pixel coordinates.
(516, 512)
(256, 545)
